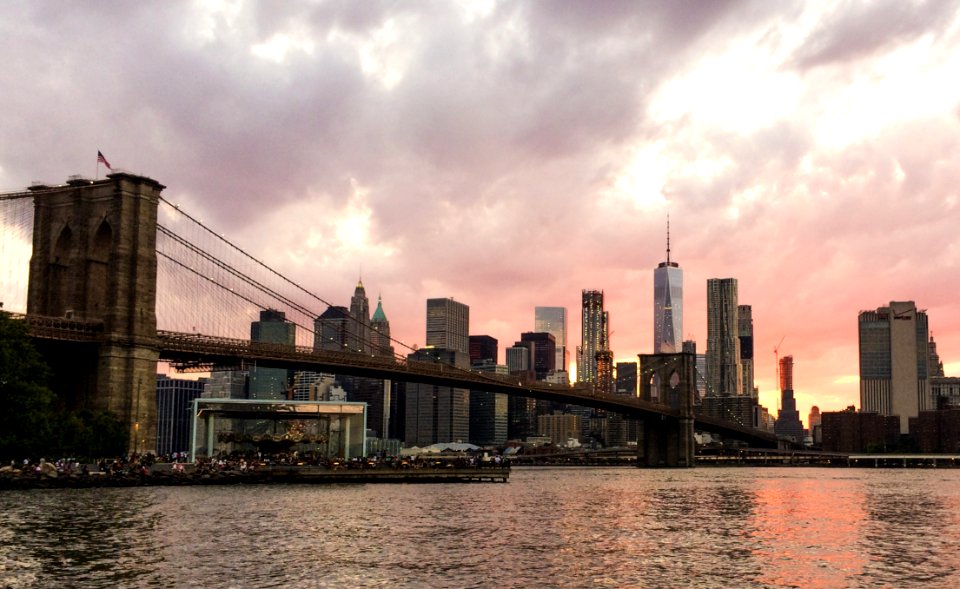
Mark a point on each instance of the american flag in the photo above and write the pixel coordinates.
(103, 160)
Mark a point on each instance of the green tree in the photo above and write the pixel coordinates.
(31, 426)
(26, 403)
(89, 434)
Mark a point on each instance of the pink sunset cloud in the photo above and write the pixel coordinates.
(512, 154)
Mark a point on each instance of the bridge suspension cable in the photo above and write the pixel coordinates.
(235, 274)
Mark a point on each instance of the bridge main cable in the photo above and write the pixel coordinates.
(258, 262)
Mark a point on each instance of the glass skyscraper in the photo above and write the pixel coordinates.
(667, 305)
(553, 320)
(271, 383)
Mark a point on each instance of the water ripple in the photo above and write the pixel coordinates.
(546, 528)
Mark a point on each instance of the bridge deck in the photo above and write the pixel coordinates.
(194, 349)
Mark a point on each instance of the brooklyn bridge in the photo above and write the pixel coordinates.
(119, 279)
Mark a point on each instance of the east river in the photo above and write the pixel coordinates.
(547, 527)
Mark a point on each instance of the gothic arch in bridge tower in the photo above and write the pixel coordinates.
(58, 273)
(98, 269)
(655, 388)
(669, 380)
(95, 261)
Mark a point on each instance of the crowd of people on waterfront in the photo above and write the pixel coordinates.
(178, 464)
(119, 466)
(252, 460)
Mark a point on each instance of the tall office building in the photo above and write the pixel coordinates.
(483, 348)
(271, 383)
(368, 336)
(437, 414)
(331, 331)
(605, 381)
(594, 335)
(690, 347)
(353, 330)
(489, 412)
(814, 426)
(553, 320)
(745, 323)
(543, 352)
(175, 412)
(934, 365)
(723, 338)
(627, 379)
(894, 362)
(448, 325)
(274, 328)
(358, 327)
(521, 411)
(788, 422)
(786, 373)
(520, 359)
(667, 305)
(380, 332)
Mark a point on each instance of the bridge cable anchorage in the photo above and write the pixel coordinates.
(259, 263)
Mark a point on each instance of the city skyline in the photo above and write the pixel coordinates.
(512, 155)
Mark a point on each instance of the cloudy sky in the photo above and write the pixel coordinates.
(512, 154)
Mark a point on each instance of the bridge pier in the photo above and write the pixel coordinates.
(95, 260)
(665, 442)
(667, 379)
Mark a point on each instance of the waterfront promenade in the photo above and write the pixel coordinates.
(179, 474)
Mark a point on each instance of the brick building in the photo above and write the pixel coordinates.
(849, 431)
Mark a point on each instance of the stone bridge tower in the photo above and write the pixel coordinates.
(95, 260)
(668, 379)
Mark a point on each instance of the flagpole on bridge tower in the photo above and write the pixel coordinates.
(101, 160)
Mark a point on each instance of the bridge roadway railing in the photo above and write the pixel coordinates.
(60, 328)
(185, 347)
(182, 348)
(726, 427)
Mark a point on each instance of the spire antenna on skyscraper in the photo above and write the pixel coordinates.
(668, 239)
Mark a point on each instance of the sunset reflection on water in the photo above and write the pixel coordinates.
(548, 527)
(808, 530)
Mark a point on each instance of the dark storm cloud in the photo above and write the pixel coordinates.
(488, 166)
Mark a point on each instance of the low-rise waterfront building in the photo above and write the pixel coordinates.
(852, 431)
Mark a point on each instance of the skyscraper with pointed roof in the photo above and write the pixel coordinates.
(380, 331)
(359, 327)
(667, 305)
